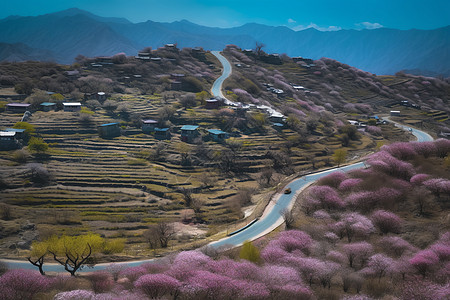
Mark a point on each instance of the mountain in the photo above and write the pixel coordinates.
(21, 52)
(381, 51)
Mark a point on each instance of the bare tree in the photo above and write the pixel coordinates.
(288, 217)
(6, 211)
(258, 49)
(266, 176)
(159, 234)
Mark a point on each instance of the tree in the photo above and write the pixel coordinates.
(38, 252)
(288, 217)
(353, 224)
(74, 252)
(188, 101)
(386, 221)
(340, 156)
(166, 112)
(424, 261)
(29, 129)
(357, 251)
(156, 286)
(250, 252)
(39, 174)
(379, 265)
(258, 49)
(22, 284)
(37, 145)
(5, 211)
(159, 234)
(202, 96)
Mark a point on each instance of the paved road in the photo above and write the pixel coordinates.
(271, 218)
(216, 89)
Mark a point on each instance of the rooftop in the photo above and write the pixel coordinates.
(189, 127)
(47, 103)
(109, 124)
(161, 129)
(72, 104)
(7, 133)
(14, 130)
(216, 131)
(18, 104)
(149, 121)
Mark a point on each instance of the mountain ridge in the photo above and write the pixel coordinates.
(381, 51)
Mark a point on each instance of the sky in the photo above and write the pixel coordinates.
(296, 14)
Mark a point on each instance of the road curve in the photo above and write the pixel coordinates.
(216, 89)
(271, 218)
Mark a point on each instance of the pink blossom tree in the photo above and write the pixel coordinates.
(357, 251)
(101, 281)
(395, 246)
(379, 265)
(400, 150)
(438, 186)
(353, 224)
(383, 161)
(424, 261)
(442, 147)
(386, 221)
(333, 179)
(419, 178)
(349, 184)
(22, 284)
(327, 197)
(157, 285)
(75, 295)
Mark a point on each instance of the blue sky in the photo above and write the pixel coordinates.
(296, 14)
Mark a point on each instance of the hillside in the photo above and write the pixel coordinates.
(379, 51)
(124, 185)
(366, 234)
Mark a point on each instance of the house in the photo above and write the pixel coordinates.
(176, 85)
(72, 106)
(155, 59)
(189, 133)
(276, 118)
(217, 135)
(278, 126)
(48, 106)
(162, 133)
(101, 96)
(198, 53)
(212, 104)
(354, 123)
(17, 107)
(171, 47)
(149, 125)
(8, 140)
(109, 130)
(20, 133)
(395, 113)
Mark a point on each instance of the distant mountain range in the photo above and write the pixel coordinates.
(63, 35)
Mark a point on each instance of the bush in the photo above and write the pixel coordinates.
(37, 145)
(21, 156)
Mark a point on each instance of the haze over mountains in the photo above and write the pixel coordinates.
(63, 35)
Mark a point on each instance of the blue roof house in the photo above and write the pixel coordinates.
(189, 133)
(217, 135)
(109, 130)
(48, 106)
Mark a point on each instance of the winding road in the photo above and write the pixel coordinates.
(216, 89)
(271, 217)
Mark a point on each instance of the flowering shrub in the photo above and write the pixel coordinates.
(22, 284)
